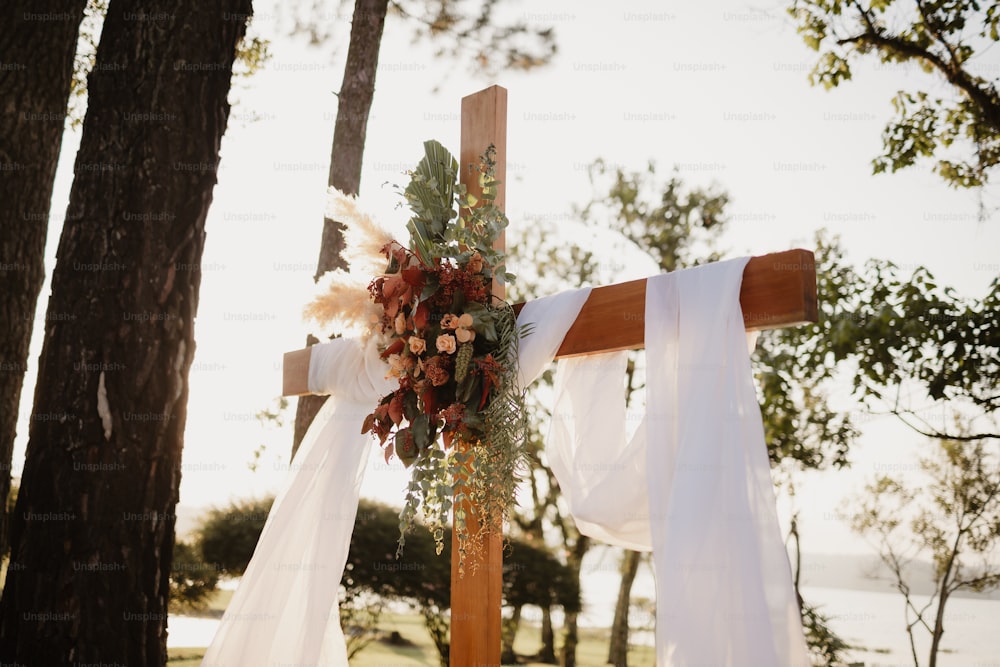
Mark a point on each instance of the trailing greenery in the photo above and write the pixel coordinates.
(457, 416)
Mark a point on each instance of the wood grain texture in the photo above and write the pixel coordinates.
(476, 596)
(779, 290)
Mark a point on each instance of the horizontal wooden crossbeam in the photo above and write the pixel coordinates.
(779, 290)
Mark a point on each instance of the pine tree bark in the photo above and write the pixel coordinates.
(93, 530)
(618, 650)
(37, 47)
(349, 133)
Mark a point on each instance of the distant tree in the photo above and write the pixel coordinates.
(93, 532)
(953, 519)
(360, 615)
(532, 575)
(227, 536)
(192, 579)
(943, 37)
(907, 338)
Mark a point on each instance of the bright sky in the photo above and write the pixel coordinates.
(717, 88)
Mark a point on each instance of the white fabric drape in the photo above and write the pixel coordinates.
(693, 485)
(285, 608)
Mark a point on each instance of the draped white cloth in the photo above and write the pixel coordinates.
(692, 485)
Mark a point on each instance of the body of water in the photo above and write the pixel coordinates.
(871, 621)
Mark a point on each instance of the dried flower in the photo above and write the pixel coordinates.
(428, 306)
(436, 371)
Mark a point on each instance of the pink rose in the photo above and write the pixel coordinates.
(400, 324)
(446, 343)
(464, 335)
(449, 321)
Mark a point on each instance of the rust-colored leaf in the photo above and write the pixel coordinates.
(396, 409)
(422, 315)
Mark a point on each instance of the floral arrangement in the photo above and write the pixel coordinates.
(456, 418)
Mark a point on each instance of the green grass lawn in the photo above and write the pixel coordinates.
(592, 650)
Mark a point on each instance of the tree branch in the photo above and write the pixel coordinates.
(987, 101)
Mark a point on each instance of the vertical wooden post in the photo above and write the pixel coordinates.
(476, 596)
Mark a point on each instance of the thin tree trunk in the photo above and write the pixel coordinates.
(570, 640)
(37, 47)
(570, 632)
(548, 653)
(511, 625)
(943, 595)
(618, 651)
(349, 133)
(93, 532)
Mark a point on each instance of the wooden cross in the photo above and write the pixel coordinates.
(778, 290)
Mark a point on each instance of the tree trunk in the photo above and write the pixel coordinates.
(570, 634)
(511, 625)
(93, 531)
(939, 623)
(349, 132)
(35, 74)
(570, 640)
(548, 653)
(618, 651)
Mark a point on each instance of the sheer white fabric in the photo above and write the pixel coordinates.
(285, 608)
(693, 485)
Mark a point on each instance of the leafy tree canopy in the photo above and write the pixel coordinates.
(943, 37)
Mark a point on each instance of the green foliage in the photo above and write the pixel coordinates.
(192, 579)
(953, 519)
(465, 398)
(940, 36)
(676, 225)
(227, 536)
(793, 370)
(469, 31)
(825, 647)
(532, 575)
(84, 59)
(899, 331)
